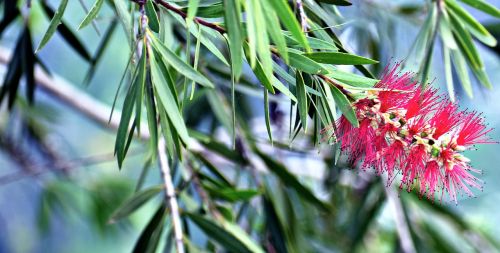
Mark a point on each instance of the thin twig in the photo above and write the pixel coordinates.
(38, 169)
(183, 14)
(303, 17)
(402, 227)
(170, 196)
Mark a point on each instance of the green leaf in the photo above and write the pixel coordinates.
(336, 2)
(258, 41)
(305, 64)
(344, 105)
(291, 181)
(125, 18)
(167, 99)
(192, 9)
(350, 78)
(301, 99)
(463, 74)
(275, 31)
(123, 135)
(314, 43)
(448, 72)
(56, 20)
(219, 148)
(446, 34)
(68, 35)
(210, 167)
(484, 7)
(264, 80)
(233, 24)
(215, 10)
(478, 30)
(92, 14)
(231, 194)
(283, 89)
(179, 65)
(339, 58)
(286, 15)
(153, 21)
(150, 237)
(135, 202)
(267, 116)
(465, 43)
(482, 77)
(228, 235)
(205, 35)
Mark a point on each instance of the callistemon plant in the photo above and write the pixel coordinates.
(407, 129)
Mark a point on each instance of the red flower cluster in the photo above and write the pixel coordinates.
(408, 129)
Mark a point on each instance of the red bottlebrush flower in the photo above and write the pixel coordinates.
(458, 179)
(407, 129)
(414, 165)
(393, 156)
(431, 179)
(423, 102)
(392, 97)
(445, 118)
(473, 130)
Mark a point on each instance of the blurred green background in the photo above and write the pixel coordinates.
(46, 214)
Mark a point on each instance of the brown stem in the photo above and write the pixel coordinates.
(200, 21)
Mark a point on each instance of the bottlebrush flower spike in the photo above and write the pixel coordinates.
(409, 130)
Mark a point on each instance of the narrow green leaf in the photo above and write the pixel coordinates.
(215, 10)
(192, 9)
(350, 78)
(92, 14)
(140, 86)
(228, 235)
(211, 167)
(344, 105)
(264, 80)
(123, 127)
(478, 30)
(463, 74)
(179, 65)
(231, 194)
(291, 180)
(445, 31)
(153, 21)
(167, 99)
(339, 58)
(274, 30)
(301, 99)
(465, 43)
(56, 20)
(305, 64)
(286, 15)
(135, 202)
(125, 18)
(484, 7)
(283, 89)
(150, 237)
(233, 24)
(314, 43)
(68, 35)
(448, 73)
(151, 116)
(267, 116)
(206, 36)
(482, 77)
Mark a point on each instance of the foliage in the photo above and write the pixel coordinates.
(199, 66)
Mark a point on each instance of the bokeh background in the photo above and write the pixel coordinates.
(43, 213)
